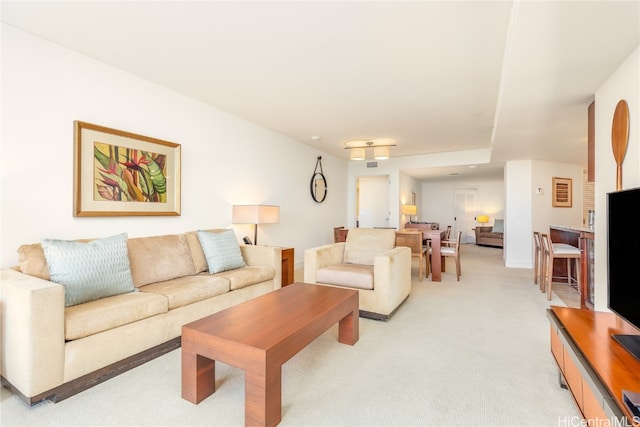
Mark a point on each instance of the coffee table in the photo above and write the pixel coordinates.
(258, 336)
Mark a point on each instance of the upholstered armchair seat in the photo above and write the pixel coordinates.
(367, 261)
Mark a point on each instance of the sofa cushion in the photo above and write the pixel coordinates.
(89, 271)
(199, 260)
(100, 315)
(350, 275)
(32, 261)
(159, 258)
(221, 250)
(246, 276)
(363, 244)
(187, 290)
(498, 226)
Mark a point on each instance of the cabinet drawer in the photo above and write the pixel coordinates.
(574, 379)
(556, 347)
(592, 404)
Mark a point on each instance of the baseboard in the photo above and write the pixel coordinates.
(85, 382)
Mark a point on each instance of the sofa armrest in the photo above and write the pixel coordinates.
(264, 255)
(392, 276)
(321, 257)
(31, 332)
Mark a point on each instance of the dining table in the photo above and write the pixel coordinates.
(438, 264)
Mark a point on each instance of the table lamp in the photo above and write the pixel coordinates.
(482, 219)
(409, 210)
(255, 214)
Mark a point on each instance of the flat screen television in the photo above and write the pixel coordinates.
(623, 257)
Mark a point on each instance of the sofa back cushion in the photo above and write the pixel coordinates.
(159, 258)
(498, 226)
(32, 261)
(363, 244)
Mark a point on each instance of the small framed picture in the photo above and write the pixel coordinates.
(562, 196)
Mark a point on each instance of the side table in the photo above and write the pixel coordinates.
(288, 262)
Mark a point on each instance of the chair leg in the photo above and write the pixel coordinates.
(543, 272)
(458, 268)
(427, 265)
(549, 278)
(536, 266)
(420, 268)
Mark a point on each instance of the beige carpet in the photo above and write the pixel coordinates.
(468, 353)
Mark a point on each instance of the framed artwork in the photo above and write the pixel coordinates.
(118, 173)
(562, 196)
(413, 198)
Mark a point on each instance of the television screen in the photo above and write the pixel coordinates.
(624, 258)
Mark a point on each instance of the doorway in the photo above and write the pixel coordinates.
(465, 213)
(372, 201)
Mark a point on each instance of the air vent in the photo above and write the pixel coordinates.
(372, 164)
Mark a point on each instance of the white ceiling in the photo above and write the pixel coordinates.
(435, 76)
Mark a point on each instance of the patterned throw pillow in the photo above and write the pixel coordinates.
(221, 250)
(89, 271)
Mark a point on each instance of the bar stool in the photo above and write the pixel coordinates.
(537, 258)
(559, 250)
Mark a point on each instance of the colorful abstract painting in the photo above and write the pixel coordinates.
(128, 175)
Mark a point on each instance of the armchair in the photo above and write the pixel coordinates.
(369, 262)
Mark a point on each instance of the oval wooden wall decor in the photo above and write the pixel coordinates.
(620, 138)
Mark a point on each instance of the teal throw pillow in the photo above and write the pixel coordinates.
(89, 271)
(498, 226)
(221, 250)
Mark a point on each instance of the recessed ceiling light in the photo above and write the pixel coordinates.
(454, 174)
(473, 166)
(316, 138)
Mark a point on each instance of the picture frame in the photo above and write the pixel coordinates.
(562, 196)
(119, 173)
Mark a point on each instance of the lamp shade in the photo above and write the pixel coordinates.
(255, 214)
(357, 153)
(381, 153)
(482, 219)
(409, 209)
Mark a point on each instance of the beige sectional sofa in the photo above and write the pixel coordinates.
(50, 351)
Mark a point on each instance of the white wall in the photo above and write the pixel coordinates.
(225, 160)
(624, 83)
(408, 185)
(438, 202)
(528, 211)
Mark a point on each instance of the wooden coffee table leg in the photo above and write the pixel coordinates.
(263, 396)
(198, 377)
(348, 328)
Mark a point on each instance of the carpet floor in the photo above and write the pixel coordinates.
(469, 353)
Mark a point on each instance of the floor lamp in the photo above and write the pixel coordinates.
(255, 214)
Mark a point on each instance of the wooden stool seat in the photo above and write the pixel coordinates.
(552, 251)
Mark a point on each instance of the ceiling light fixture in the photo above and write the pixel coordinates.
(380, 148)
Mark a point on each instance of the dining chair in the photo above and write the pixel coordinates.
(452, 250)
(537, 258)
(555, 251)
(447, 238)
(413, 240)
